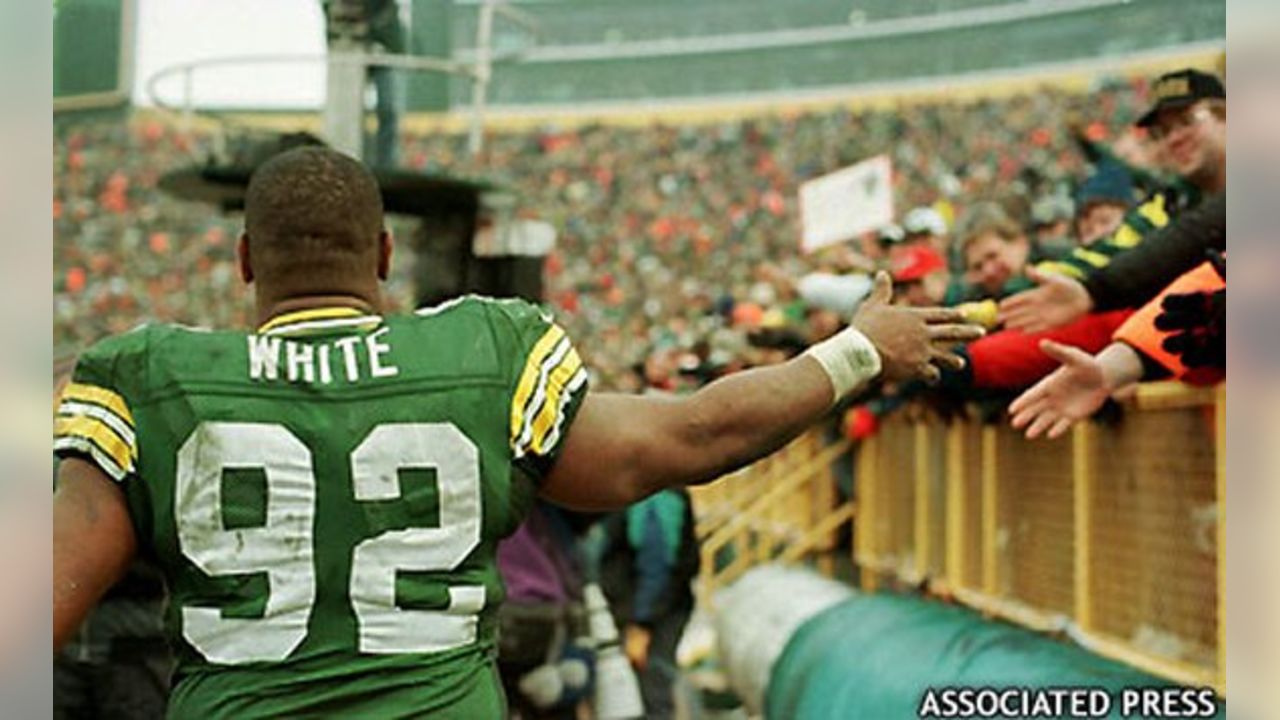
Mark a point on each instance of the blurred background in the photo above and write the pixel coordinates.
(660, 176)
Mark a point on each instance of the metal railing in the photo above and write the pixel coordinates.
(478, 68)
(796, 37)
(1113, 535)
(782, 508)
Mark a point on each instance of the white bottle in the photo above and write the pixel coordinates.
(617, 689)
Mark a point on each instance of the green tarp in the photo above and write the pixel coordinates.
(876, 655)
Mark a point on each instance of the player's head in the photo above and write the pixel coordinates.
(313, 226)
(1189, 121)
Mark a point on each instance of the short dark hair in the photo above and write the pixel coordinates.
(310, 210)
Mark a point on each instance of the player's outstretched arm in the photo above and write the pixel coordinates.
(93, 543)
(622, 448)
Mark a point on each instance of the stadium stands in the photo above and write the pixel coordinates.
(698, 207)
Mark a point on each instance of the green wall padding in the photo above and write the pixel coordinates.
(430, 35)
(874, 657)
(86, 47)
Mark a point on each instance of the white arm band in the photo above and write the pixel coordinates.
(849, 358)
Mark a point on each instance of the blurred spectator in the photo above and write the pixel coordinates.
(925, 226)
(1102, 201)
(1189, 120)
(1133, 276)
(822, 324)
(891, 243)
(542, 672)
(919, 277)
(995, 251)
(1051, 218)
(661, 370)
(649, 560)
(776, 345)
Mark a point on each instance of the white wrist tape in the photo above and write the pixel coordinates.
(849, 358)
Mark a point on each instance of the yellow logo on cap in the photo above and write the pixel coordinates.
(1173, 88)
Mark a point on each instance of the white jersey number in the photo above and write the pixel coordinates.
(384, 628)
(283, 547)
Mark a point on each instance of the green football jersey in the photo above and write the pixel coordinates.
(325, 496)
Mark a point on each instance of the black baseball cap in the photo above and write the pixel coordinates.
(1179, 89)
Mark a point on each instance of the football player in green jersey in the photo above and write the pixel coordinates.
(324, 494)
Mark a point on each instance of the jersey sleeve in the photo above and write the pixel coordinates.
(1139, 222)
(94, 420)
(548, 384)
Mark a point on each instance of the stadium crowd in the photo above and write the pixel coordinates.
(678, 249)
(705, 209)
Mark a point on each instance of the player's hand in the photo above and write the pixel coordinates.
(1056, 301)
(1071, 393)
(635, 643)
(912, 342)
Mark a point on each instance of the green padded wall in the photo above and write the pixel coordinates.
(430, 34)
(86, 47)
(873, 657)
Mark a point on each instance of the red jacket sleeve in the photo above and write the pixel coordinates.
(1010, 359)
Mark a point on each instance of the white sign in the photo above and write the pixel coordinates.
(846, 203)
(529, 238)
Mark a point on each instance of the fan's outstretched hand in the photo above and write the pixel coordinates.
(1072, 392)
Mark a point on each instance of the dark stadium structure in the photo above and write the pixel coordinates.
(448, 211)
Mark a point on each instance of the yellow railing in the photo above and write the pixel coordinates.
(1113, 534)
(780, 509)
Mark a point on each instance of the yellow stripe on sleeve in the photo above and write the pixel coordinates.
(529, 378)
(106, 439)
(1126, 237)
(1153, 210)
(109, 399)
(1095, 259)
(1060, 268)
(550, 411)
